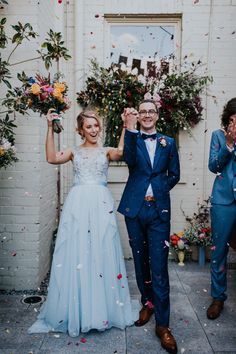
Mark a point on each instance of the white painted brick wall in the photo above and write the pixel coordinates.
(28, 189)
(202, 23)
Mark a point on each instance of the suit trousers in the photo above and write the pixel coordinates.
(148, 233)
(223, 219)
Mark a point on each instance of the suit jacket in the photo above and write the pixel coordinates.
(163, 176)
(222, 162)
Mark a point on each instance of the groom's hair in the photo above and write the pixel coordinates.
(229, 110)
(150, 101)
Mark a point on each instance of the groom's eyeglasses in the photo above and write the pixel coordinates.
(151, 112)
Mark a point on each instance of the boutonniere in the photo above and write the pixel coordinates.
(162, 141)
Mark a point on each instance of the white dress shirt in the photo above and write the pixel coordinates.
(151, 148)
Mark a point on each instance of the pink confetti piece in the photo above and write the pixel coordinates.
(83, 340)
(14, 253)
(119, 276)
(149, 304)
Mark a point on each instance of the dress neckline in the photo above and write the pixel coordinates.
(89, 147)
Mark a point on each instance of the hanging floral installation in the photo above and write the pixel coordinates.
(176, 92)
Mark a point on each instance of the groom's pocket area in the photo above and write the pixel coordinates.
(163, 210)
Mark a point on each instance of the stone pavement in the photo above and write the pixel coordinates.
(190, 286)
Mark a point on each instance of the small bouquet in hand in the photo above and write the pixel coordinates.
(41, 94)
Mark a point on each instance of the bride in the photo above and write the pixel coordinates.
(88, 286)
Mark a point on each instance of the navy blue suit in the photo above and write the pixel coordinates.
(223, 211)
(148, 223)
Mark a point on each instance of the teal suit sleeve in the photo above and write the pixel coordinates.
(219, 154)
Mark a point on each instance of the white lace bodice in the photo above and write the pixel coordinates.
(90, 165)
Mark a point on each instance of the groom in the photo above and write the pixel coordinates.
(154, 170)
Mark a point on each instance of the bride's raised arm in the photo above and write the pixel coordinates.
(53, 156)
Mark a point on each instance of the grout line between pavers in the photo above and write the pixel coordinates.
(194, 310)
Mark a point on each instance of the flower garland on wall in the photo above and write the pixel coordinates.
(177, 94)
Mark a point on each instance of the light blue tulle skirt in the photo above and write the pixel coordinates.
(88, 287)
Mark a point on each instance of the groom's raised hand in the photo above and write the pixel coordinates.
(129, 117)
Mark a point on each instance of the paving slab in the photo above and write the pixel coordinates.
(190, 297)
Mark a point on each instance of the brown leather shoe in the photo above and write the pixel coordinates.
(144, 316)
(215, 309)
(167, 339)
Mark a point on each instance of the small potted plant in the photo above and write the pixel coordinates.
(180, 245)
(198, 233)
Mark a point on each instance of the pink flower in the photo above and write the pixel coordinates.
(162, 141)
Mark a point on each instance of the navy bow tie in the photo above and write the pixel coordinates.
(149, 136)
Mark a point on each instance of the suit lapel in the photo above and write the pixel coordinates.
(157, 152)
(143, 147)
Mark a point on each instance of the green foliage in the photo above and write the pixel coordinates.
(7, 128)
(15, 99)
(111, 90)
(55, 49)
(7, 149)
(3, 37)
(199, 231)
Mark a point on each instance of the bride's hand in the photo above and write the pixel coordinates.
(129, 117)
(51, 115)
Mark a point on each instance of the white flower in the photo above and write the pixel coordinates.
(163, 141)
(135, 71)
(123, 67)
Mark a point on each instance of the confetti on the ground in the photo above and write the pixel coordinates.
(119, 276)
(83, 340)
(57, 335)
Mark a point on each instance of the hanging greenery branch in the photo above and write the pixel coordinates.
(177, 94)
(55, 49)
(16, 99)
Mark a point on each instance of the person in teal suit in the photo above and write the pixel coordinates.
(222, 162)
(153, 163)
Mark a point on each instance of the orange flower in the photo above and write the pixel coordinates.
(59, 86)
(35, 89)
(57, 94)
